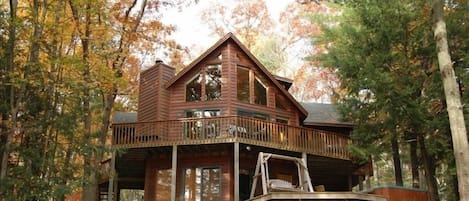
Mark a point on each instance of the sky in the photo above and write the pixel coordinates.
(188, 20)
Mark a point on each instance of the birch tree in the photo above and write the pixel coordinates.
(453, 101)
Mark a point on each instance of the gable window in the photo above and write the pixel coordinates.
(250, 88)
(213, 82)
(194, 89)
(260, 93)
(202, 184)
(243, 84)
(206, 85)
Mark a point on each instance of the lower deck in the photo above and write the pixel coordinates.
(219, 171)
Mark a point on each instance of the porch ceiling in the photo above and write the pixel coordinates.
(130, 164)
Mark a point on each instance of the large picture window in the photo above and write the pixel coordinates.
(202, 184)
(194, 89)
(213, 82)
(250, 89)
(206, 85)
(260, 93)
(243, 84)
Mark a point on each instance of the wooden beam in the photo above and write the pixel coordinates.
(173, 172)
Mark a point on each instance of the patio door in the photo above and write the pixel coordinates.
(202, 184)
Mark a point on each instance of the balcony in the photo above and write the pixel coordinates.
(228, 130)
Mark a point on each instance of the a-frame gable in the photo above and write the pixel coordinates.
(257, 63)
(194, 63)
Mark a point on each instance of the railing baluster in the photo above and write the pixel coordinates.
(205, 130)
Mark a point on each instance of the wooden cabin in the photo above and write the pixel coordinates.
(197, 134)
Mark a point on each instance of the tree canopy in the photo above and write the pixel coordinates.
(390, 84)
(64, 66)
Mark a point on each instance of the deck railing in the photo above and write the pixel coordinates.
(231, 129)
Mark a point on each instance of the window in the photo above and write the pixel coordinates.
(202, 184)
(260, 92)
(213, 82)
(256, 115)
(243, 84)
(194, 89)
(163, 184)
(282, 120)
(206, 85)
(203, 113)
(247, 87)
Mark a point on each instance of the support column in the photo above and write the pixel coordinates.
(304, 158)
(350, 182)
(236, 171)
(360, 182)
(174, 172)
(117, 192)
(112, 173)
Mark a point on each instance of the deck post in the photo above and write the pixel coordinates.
(360, 182)
(350, 182)
(112, 174)
(304, 158)
(236, 171)
(117, 192)
(173, 172)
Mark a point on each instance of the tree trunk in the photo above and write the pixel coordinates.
(90, 191)
(453, 101)
(429, 167)
(396, 160)
(10, 90)
(414, 163)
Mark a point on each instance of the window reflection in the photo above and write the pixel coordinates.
(194, 89)
(213, 82)
(260, 92)
(202, 184)
(243, 84)
(163, 185)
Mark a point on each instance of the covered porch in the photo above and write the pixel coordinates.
(237, 171)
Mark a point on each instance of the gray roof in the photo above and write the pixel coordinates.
(324, 114)
(124, 117)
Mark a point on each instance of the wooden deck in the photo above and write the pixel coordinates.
(228, 130)
(318, 196)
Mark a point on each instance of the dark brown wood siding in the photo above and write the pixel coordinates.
(153, 164)
(178, 104)
(239, 58)
(153, 99)
(232, 57)
(191, 158)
